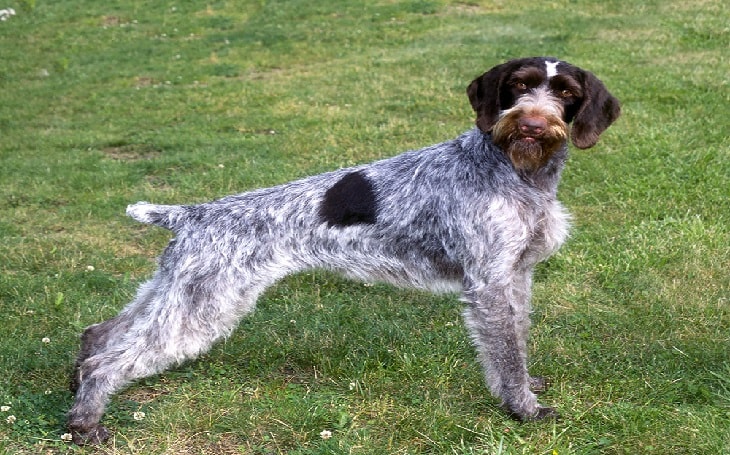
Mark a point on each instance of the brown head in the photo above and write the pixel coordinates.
(528, 104)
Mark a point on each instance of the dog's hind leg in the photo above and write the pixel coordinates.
(171, 320)
(97, 337)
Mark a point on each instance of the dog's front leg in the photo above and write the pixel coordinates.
(495, 319)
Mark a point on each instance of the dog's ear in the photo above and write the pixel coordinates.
(598, 110)
(484, 95)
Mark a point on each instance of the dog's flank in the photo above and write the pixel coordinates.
(473, 214)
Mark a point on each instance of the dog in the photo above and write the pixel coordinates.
(471, 215)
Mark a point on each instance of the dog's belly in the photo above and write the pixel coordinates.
(361, 253)
(423, 278)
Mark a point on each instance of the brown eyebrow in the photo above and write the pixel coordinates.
(531, 76)
(565, 82)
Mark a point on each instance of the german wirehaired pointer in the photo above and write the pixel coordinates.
(473, 214)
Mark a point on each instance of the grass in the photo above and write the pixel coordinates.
(107, 103)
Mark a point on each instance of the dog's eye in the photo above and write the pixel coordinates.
(566, 93)
(520, 86)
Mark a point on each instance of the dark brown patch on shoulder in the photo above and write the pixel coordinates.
(349, 201)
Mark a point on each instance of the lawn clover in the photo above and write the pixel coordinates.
(66, 437)
(45, 340)
(325, 434)
(139, 415)
(4, 408)
(6, 14)
(11, 419)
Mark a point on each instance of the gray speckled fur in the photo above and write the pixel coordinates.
(457, 216)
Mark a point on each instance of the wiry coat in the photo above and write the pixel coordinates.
(465, 215)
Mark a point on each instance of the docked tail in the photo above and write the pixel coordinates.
(169, 217)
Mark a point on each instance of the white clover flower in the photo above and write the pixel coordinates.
(7, 13)
(66, 437)
(4, 408)
(11, 419)
(90, 268)
(45, 340)
(325, 434)
(353, 386)
(139, 415)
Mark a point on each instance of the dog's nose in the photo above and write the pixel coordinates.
(532, 126)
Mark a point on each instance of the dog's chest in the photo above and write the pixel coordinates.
(548, 230)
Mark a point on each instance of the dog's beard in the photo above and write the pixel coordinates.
(528, 153)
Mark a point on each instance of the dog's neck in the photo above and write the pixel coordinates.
(547, 176)
(544, 178)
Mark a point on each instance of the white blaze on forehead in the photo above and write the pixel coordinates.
(552, 68)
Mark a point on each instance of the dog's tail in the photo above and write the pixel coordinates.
(167, 216)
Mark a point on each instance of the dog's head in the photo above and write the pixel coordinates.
(528, 103)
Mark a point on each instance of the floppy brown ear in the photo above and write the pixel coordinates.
(483, 95)
(598, 111)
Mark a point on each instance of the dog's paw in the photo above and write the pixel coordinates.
(546, 412)
(542, 413)
(95, 435)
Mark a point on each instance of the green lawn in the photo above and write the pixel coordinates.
(107, 103)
